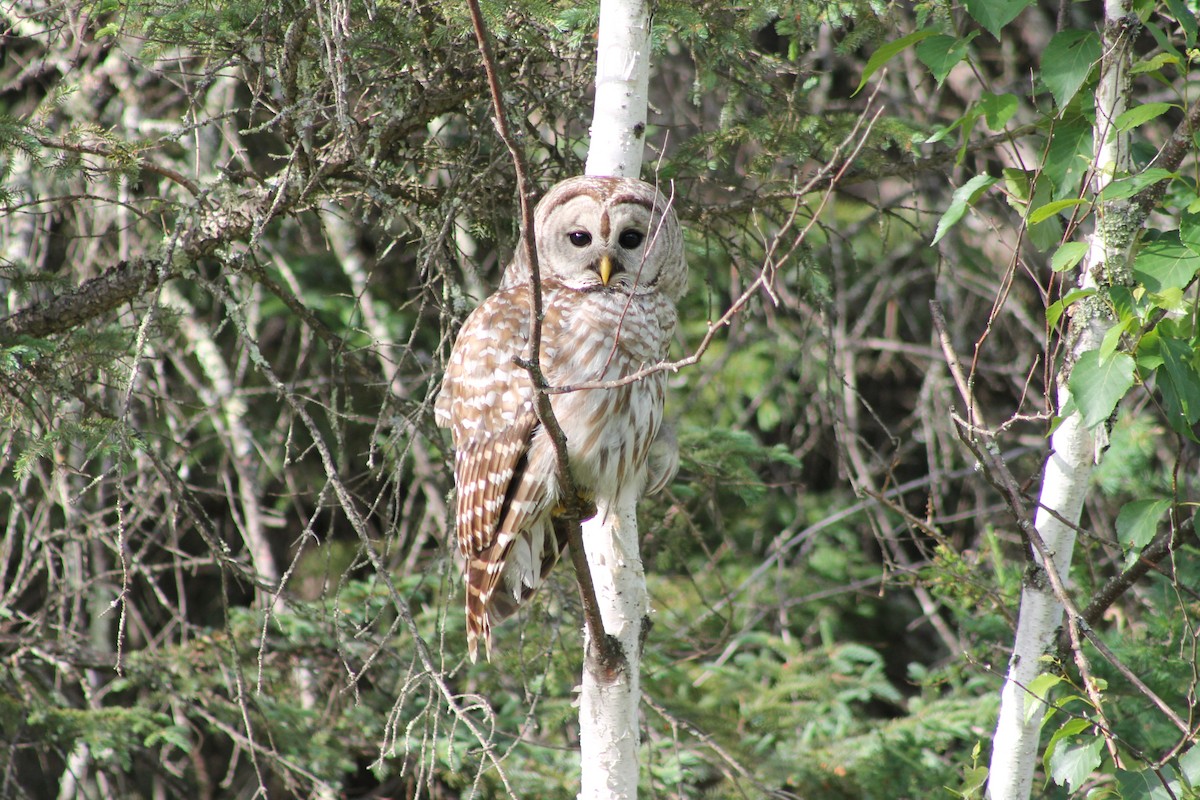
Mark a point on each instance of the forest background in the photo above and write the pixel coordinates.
(236, 240)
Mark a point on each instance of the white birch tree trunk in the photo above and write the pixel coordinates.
(609, 701)
(622, 83)
(1073, 447)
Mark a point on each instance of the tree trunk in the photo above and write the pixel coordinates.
(608, 710)
(1073, 445)
(618, 129)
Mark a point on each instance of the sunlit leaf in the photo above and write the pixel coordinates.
(1067, 61)
(1050, 209)
(1071, 766)
(995, 14)
(1097, 386)
(1039, 691)
(1068, 255)
(1138, 521)
(1154, 63)
(1139, 115)
(885, 54)
(1055, 310)
(963, 197)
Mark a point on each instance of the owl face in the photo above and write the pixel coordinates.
(614, 234)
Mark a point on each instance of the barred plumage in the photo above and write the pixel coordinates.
(612, 266)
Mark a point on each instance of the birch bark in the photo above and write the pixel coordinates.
(1073, 446)
(608, 711)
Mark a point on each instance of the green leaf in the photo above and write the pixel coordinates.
(963, 197)
(1067, 61)
(1039, 691)
(1016, 184)
(1071, 766)
(995, 14)
(941, 53)
(1068, 255)
(1138, 521)
(1180, 384)
(1139, 115)
(1155, 63)
(1186, 19)
(1189, 231)
(1055, 310)
(1072, 727)
(1050, 209)
(1112, 338)
(1127, 187)
(885, 54)
(1165, 263)
(1069, 157)
(1097, 386)
(997, 109)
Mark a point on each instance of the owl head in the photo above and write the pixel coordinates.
(614, 234)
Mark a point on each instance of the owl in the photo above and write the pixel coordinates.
(611, 263)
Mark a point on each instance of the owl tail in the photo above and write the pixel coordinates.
(498, 583)
(482, 577)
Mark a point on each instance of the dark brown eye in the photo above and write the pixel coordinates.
(580, 238)
(630, 239)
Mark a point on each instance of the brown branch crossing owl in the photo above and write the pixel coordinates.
(611, 262)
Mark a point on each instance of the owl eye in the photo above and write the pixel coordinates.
(580, 238)
(630, 239)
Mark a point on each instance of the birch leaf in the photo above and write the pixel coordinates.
(963, 197)
(1071, 766)
(1039, 691)
(1050, 209)
(1189, 231)
(1128, 187)
(1186, 19)
(1097, 386)
(941, 53)
(995, 14)
(1055, 310)
(1068, 255)
(885, 53)
(1165, 263)
(1180, 384)
(1138, 521)
(1140, 115)
(1067, 61)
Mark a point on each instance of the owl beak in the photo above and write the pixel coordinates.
(606, 269)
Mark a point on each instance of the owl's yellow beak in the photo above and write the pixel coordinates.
(606, 269)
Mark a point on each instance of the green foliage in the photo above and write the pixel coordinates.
(225, 498)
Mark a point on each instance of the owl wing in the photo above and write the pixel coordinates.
(487, 401)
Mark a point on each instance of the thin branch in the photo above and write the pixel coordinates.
(1159, 547)
(1169, 158)
(149, 166)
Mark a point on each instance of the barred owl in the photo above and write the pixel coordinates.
(611, 262)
